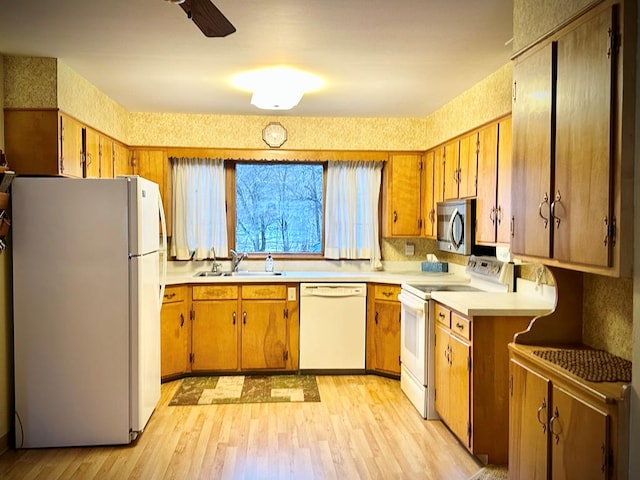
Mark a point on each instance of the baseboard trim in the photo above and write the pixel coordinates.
(4, 443)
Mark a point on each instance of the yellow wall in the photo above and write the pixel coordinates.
(6, 352)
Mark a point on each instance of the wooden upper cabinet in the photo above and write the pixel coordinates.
(438, 175)
(486, 209)
(121, 160)
(582, 196)
(71, 147)
(451, 173)
(531, 162)
(152, 165)
(402, 191)
(503, 215)
(428, 196)
(92, 153)
(468, 166)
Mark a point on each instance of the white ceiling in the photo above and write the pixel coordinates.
(379, 58)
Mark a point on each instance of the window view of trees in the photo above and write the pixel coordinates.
(279, 207)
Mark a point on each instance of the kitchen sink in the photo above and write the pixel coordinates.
(209, 273)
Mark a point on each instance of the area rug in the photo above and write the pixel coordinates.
(247, 389)
(491, 472)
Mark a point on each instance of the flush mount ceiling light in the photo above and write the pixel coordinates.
(277, 88)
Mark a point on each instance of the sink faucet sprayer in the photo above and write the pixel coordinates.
(236, 258)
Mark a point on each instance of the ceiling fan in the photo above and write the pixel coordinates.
(207, 17)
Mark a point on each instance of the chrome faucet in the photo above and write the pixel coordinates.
(236, 258)
(215, 265)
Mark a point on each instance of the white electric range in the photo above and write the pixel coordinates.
(417, 331)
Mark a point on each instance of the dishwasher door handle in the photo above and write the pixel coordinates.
(333, 292)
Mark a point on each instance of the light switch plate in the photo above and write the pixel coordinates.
(291, 294)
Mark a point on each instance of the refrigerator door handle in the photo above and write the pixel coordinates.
(163, 249)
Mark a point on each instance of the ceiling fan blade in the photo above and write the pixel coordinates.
(208, 18)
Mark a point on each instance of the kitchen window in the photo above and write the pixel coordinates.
(279, 207)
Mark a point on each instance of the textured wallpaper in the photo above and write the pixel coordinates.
(233, 131)
(485, 101)
(531, 20)
(30, 82)
(81, 99)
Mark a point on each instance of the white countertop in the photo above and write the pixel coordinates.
(493, 303)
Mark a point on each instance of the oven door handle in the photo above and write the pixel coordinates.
(412, 302)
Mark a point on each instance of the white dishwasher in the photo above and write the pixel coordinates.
(333, 326)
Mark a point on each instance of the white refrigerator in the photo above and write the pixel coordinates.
(89, 263)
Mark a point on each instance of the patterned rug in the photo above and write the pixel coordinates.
(491, 472)
(247, 389)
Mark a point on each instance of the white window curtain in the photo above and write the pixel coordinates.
(351, 218)
(199, 209)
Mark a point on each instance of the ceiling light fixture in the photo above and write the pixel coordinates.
(277, 88)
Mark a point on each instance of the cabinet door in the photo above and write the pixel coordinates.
(583, 174)
(121, 160)
(71, 153)
(442, 370)
(387, 336)
(468, 166)
(579, 438)
(532, 99)
(214, 335)
(92, 154)
(106, 157)
(503, 214)
(428, 198)
(438, 177)
(264, 334)
(486, 211)
(404, 208)
(173, 347)
(528, 424)
(451, 164)
(459, 420)
(150, 165)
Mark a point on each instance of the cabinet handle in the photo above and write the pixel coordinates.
(441, 315)
(492, 215)
(169, 295)
(553, 209)
(606, 231)
(499, 216)
(513, 227)
(459, 326)
(244, 318)
(395, 216)
(545, 200)
(540, 409)
(376, 318)
(234, 318)
(181, 320)
(556, 415)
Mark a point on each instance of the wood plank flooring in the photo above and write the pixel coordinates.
(364, 428)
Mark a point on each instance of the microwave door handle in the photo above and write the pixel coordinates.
(456, 215)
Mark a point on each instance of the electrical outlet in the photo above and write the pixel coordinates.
(409, 249)
(291, 294)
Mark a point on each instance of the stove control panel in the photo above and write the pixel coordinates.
(487, 267)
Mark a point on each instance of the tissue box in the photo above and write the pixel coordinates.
(435, 267)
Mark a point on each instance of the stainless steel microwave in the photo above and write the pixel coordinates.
(456, 225)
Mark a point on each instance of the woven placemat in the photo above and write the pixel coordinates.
(590, 364)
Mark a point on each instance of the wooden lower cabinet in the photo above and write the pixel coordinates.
(174, 332)
(244, 327)
(561, 427)
(472, 379)
(383, 329)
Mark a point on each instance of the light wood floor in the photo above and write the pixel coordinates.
(364, 428)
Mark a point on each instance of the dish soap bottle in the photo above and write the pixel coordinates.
(268, 263)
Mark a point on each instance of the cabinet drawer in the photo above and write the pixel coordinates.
(386, 292)
(461, 326)
(264, 291)
(443, 315)
(174, 294)
(215, 292)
